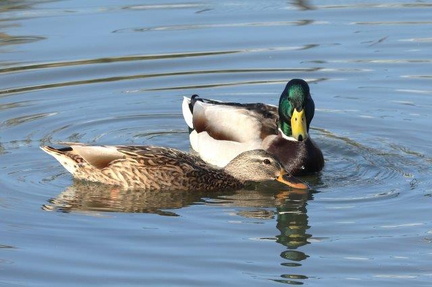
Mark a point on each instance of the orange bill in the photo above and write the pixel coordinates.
(291, 181)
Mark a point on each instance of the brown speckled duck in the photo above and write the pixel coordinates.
(160, 168)
(220, 131)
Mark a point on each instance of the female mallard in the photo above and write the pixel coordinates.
(221, 131)
(159, 168)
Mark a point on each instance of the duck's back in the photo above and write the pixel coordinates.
(142, 167)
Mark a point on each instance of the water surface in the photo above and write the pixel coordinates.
(115, 72)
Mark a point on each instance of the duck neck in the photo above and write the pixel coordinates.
(285, 128)
(236, 171)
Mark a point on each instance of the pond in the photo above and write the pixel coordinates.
(115, 72)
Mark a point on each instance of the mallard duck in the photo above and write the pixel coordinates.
(160, 168)
(220, 131)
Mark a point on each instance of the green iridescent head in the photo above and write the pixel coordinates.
(296, 109)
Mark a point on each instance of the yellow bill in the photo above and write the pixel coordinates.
(298, 125)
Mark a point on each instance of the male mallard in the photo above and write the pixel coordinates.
(221, 131)
(159, 168)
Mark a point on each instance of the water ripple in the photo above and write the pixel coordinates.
(156, 75)
(122, 129)
(23, 119)
(111, 60)
(225, 25)
(356, 173)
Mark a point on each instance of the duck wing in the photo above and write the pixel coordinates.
(155, 156)
(85, 162)
(221, 131)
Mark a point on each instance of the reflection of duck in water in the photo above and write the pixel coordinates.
(84, 196)
(221, 131)
(287, 207)
(292, 219)
(159, 168)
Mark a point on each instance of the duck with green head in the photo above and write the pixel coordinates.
(222, 130)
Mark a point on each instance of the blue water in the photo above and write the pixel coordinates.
(115, 72)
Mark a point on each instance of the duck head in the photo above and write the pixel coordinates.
(259, 165)
(296, 110)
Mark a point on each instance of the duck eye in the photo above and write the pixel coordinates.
(267, 161)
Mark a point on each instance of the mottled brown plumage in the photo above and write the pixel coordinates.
(159, 168)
